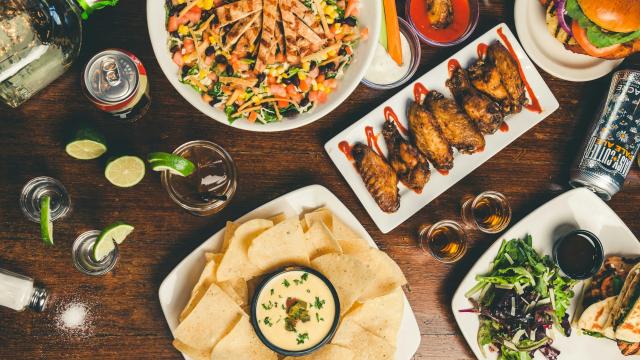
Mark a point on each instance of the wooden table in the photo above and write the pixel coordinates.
(127, 322)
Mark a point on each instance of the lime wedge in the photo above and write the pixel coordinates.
(46, 225)
(111, 235)
(177, 165)
(125, 171)
(86, 145)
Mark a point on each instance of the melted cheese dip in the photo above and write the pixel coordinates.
(295, 310)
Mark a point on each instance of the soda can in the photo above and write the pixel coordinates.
(115, 81)
(607, 154)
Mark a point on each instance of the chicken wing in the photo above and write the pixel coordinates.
(485, 77)
(409, 163)
(426, 134)
(455, 125)
(484, 112)
(440, 13)
(509, 74)
(379, 177)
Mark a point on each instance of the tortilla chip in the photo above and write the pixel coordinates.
(380, 316)
(278, 218)
(194, 354)
(235, 263)
(242, 343)
(342, 231)
(363, 343)
(322, 214)
(280, 245)
(229, 230)
(320, 241)
(327, 352)
(350, 276)
(207, 278)
(387, 275)
(209, 321)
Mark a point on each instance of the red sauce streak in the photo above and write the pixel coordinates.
(482, 50)
(455, 30)
(453, 65)
(535, 104)
(443, 172)
(419, 90)
(372, 140)
(504, 127)
(480, 149)
(345, 147)
(389, 113)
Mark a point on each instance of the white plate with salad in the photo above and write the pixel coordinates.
(576, 209)
(264, 70)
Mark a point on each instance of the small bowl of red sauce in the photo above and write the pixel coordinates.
(461, 22)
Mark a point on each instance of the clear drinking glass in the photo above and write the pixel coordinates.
(38, 187)
(446, 240)
(488, 212)
(82, 255)
(211, 186)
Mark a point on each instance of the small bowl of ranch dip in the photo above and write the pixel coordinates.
(384, 72)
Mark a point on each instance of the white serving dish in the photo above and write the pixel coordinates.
(576, 209)
(176, 287)
(549, 53)
(410, 202)
(369, 16)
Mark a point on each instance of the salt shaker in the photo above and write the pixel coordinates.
(18, 292)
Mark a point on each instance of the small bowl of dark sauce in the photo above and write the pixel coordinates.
(579, 254)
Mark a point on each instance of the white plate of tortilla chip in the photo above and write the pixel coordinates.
(327, 232)
(575, 209)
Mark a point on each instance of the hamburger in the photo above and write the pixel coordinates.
(608, 29)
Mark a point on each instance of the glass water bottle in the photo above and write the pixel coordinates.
(18, 292)
(39, 40)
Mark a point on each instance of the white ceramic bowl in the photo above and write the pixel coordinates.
(370, 16)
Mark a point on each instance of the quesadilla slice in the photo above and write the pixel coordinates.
(237, 10)
(594, 318)
(625, 311)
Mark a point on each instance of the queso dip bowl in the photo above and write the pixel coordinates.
(295, 311)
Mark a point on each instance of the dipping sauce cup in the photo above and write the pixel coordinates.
(465, 19)
(579, 254)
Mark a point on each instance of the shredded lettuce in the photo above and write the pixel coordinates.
(597, 36)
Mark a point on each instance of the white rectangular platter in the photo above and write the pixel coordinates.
(176, 287)
(411, 202)
(576, 209)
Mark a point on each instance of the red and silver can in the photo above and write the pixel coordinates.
(115, 81)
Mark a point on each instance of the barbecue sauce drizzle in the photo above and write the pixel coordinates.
(389, 113)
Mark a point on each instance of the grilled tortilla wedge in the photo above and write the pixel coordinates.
(624, 321)
(594, 318)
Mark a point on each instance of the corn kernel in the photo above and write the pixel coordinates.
(183, 29)
(314, 86)
(324, 57)
(273, 72)
(212, 39)
(302, 76)
(330, 20)
(208, 4)
(327, 90)
(202, 74)
(306, 66)
(181, 1)
(321, 87)
(332, 53)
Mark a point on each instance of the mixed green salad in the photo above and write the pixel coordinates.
(519, 301)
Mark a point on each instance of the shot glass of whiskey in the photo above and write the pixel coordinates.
(488, 212)
(445, 240)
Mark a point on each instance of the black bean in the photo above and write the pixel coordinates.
(342, 51)
(176, 9)
(261, 78)
(305, 101)
(215, 21)
(227, 27)
(351, 21)
(221, 59)
(286, 80)
(209, 51)
(229, 69)
(175, 34)
(331, 66)
(213, 102)
(185, 71)
(174, 48)
(312, 65)
(295, 80)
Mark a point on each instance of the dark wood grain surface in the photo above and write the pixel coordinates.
(126, 319)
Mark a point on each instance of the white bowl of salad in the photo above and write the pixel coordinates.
(264, 65)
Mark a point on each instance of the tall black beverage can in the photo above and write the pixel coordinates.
(607, 154)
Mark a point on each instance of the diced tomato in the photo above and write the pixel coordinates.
(349, 50)
(341, 3)
(581, 37)
(314, 73)
(278, 90)
(313, 96)
(173, 24)
(282, 103)
(339, 36)
(177, 58)
(291, 90)
(213, 76)
(332, 83)
(322, 97)
(296, 97)
(253, 116)
(364, 33)
(305, 85)
(271, 80)
(194, 14)
(207, 98)
(351, 6)
(280, 57)
(188, 46)
(209, 60)
(320, 79)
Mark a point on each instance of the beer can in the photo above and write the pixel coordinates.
(607, 154)
(115, 81)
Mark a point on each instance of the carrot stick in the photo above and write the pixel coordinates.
(393, 31)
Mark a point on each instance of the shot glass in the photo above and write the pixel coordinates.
(445, 240)
(488, 212)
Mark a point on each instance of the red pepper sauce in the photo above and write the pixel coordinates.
(535, 104)
(345, 147)
(389, 113)
(443, 172)
(504, 127)
(482, 50)
(372, 140)
(419, 91)
(457, 28)
(453, 65)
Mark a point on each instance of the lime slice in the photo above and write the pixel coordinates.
(125, 171)
(177, 165)
(46, 225)
(111, 235)
(87, 144)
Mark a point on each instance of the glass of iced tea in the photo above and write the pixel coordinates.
(488, 212)
(211, 186)
(446, 240)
